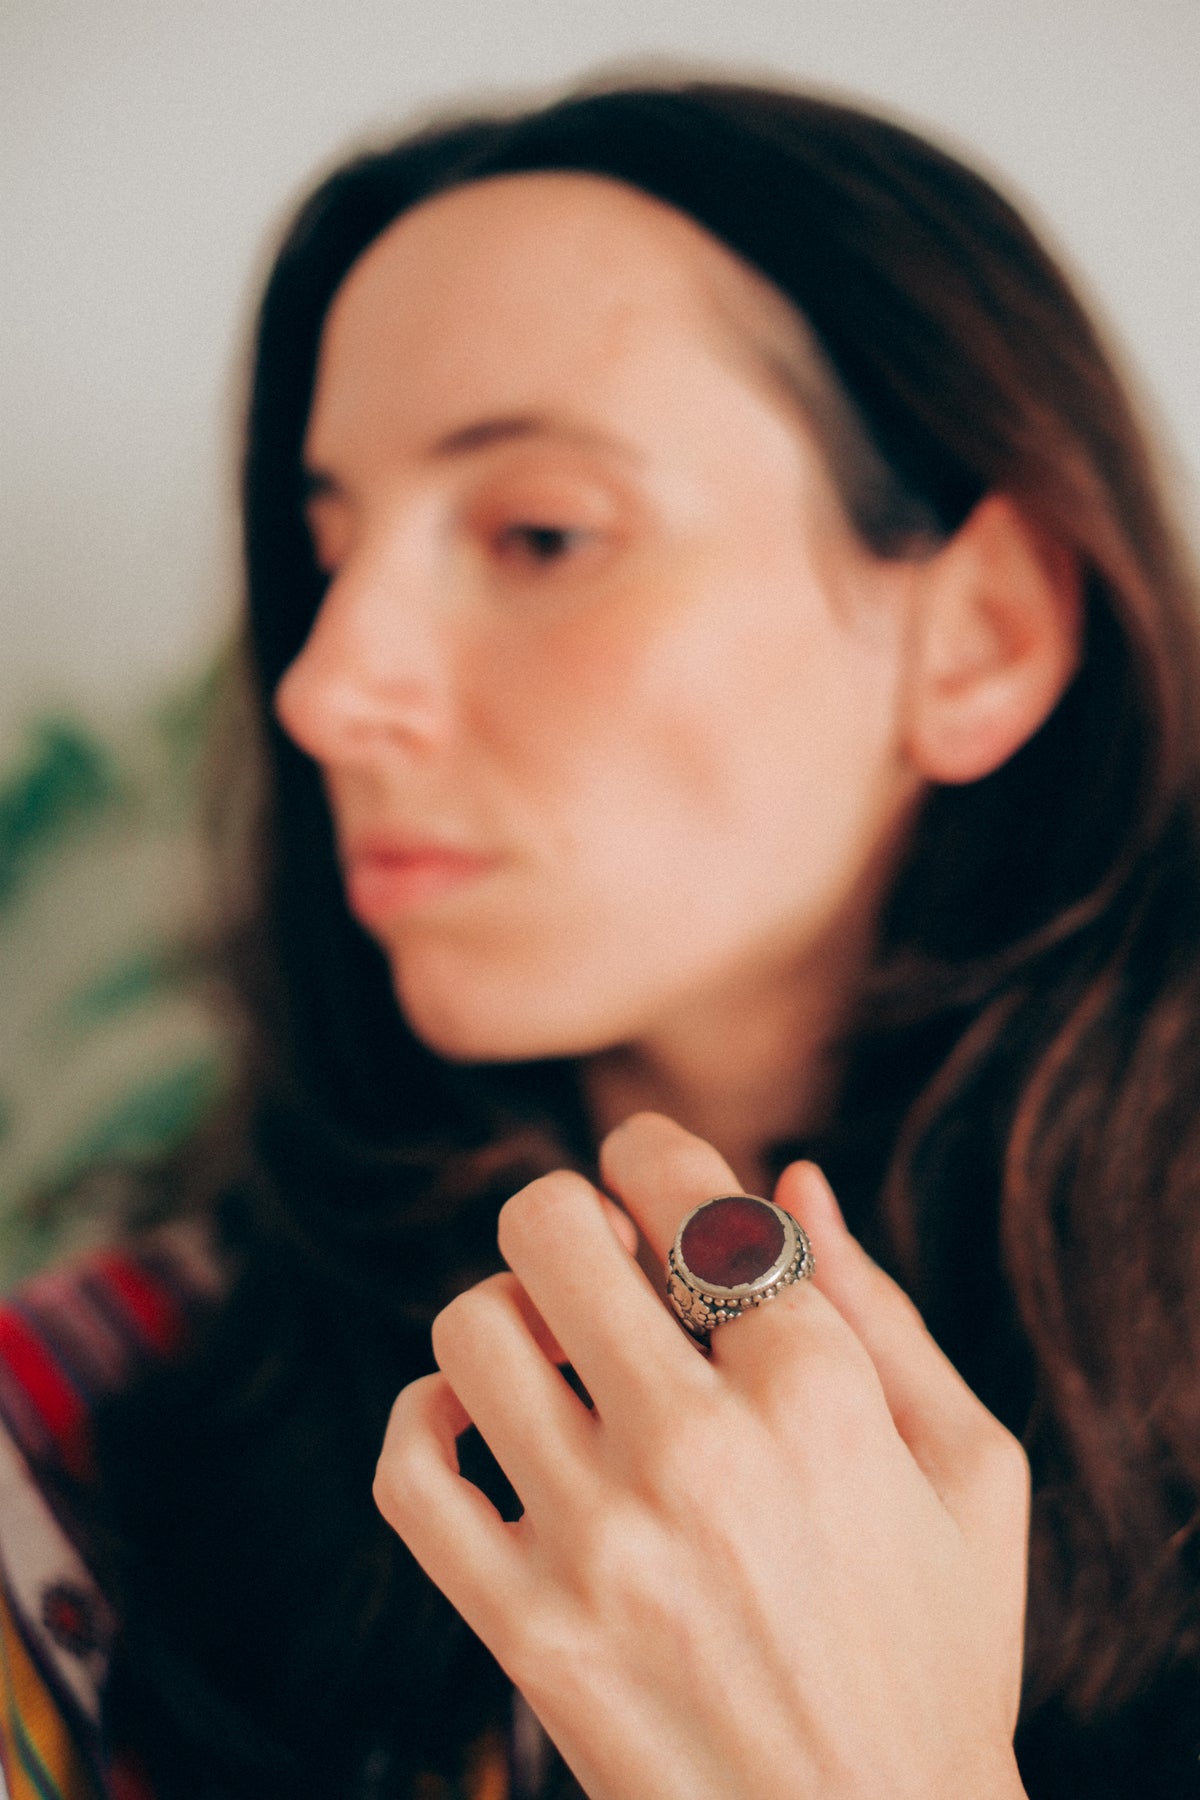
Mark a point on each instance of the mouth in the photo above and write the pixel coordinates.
(387, 879)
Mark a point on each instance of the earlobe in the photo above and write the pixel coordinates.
(995, 640)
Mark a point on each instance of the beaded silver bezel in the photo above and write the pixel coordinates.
(702, 1305)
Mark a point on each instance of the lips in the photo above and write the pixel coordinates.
(385, 879)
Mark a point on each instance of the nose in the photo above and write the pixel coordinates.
(372, 677)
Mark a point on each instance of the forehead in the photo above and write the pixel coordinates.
(569, 220)
(518, 290)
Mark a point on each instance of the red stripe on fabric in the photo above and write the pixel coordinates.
(154, 1311)
(58, 1405)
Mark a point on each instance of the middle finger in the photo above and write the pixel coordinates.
(660, 1172)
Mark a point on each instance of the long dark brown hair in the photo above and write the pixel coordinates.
(1017, 1134)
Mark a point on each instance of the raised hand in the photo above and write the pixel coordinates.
(792, 1567)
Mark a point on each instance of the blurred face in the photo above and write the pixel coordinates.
(603, 690)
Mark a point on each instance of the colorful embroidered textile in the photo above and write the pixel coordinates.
(67, 1339)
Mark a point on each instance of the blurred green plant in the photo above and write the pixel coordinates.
(64, 781)
(109, 1050)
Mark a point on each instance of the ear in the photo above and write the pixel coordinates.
(996, 633)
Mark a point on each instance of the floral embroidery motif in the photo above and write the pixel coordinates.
(70, 1616)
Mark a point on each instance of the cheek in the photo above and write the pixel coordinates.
(660, 742)
(570, 708)
(686, 805)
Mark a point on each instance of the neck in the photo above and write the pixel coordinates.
(769, 1087)
(744, 1066)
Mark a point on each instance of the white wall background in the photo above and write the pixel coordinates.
(149, 150)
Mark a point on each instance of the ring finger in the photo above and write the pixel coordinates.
(661, 1172)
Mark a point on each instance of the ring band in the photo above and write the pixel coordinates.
(730, 1254)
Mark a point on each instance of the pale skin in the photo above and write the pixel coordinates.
(621, 728)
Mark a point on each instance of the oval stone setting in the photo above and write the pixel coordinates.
(732, 1241)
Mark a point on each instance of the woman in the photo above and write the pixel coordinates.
(720, 655)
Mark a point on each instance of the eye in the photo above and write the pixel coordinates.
(531, 541)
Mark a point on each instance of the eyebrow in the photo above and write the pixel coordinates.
(485, 432)
(481, 434)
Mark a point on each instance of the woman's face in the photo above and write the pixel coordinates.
(604, 691)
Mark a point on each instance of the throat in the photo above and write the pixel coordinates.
(754, 1059)
(744, 1084)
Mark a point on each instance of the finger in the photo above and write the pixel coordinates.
(977, 1467)
(660, 1171)
(625, 1347)
(781, 1351)
(626, 1234)
(623, 1227)
(454, 1532)
(491, 1344)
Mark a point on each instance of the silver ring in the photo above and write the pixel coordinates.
(730, 1254)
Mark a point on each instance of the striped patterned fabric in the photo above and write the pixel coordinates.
(66, 1339)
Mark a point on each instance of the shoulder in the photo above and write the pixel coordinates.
(69, 1339)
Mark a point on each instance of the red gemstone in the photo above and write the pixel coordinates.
(733, 1241)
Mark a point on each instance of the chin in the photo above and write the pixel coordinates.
(489, 1022)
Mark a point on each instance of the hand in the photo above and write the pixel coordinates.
(793, 1568)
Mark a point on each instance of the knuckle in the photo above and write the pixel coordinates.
(467, 1324)
(539, 1646)
(455, 1325)
(398, 1488)
(534, 1209)
(617, 1556)
(850, 1403)
(389, 1493)
(686, 1462)
(885, 1296)
(650, 1157)
(889, 1293)
(1013, 1471)
(1000, 1469)
(828, 1403)
(827, 1369)
(675, 1464)
(473, 1313)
